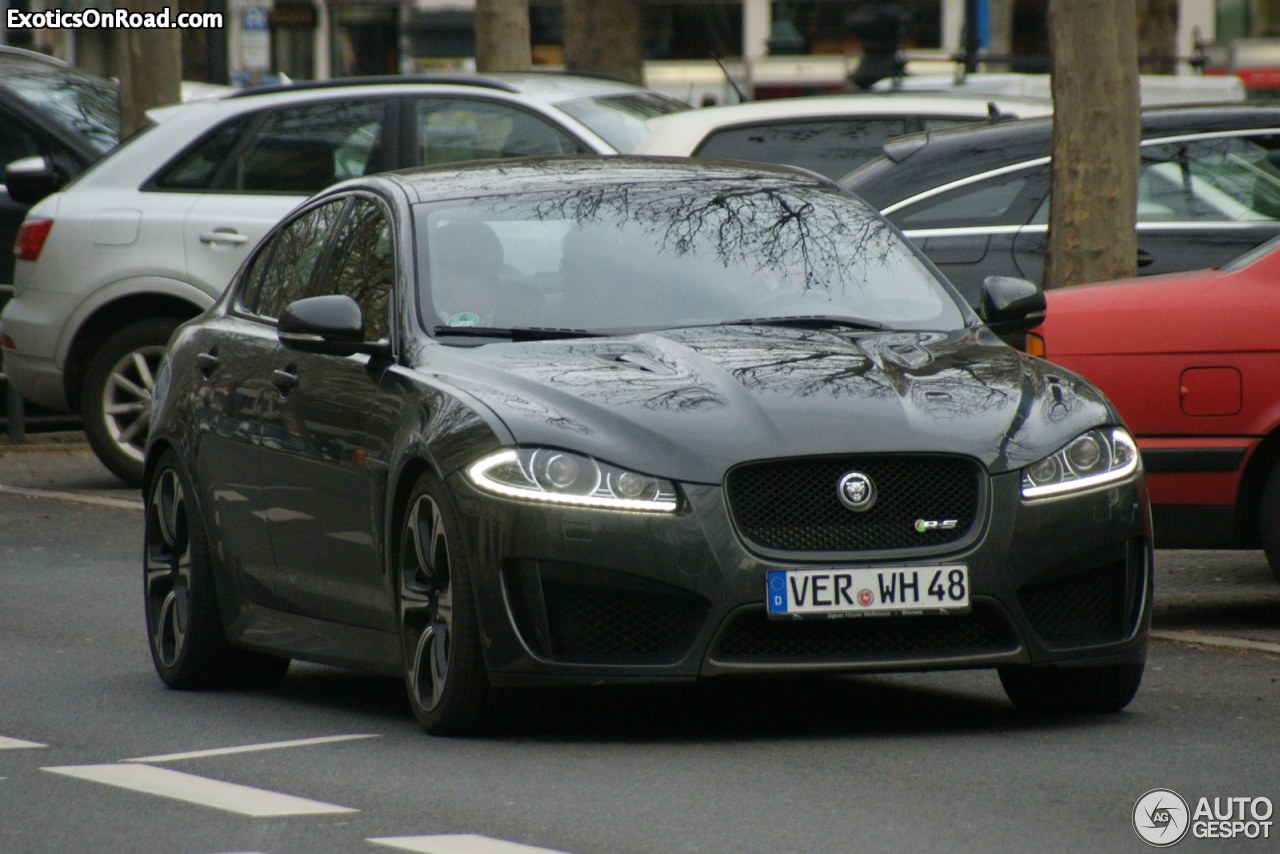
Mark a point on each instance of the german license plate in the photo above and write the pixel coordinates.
(846, 592)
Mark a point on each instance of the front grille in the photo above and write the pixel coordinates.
(1084, 608)
(792, 505)
(598, 626)
(754, 638)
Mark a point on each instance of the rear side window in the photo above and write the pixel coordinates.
(295, 150)
(1007, 199)
(197, 168)
(832, 147)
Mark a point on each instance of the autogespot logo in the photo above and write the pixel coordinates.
(1160, 817)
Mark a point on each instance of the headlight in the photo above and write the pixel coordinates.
(561, 477)
(1091, 459)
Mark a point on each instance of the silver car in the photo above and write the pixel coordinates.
(107, 268)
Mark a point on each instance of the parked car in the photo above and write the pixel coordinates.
(1191, 361)
(600, 420)
(150, 237)
(52, 110)
(976, 200)
(830, 135)
(62, 114)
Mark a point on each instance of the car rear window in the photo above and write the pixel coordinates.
(82, 107)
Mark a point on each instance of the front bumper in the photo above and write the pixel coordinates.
(585, 596)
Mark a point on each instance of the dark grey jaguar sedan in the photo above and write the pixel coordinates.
(579, 420)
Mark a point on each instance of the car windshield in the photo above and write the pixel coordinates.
(84, 107)
(629, 257)
(620, 119)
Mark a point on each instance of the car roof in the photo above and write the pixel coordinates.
(677, 133)
(541, 174)
(545, 88)
(950, 154)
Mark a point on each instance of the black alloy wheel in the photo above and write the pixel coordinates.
(184, 626)
(444, 668)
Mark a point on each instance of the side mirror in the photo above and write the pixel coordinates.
(1011, 305)
(30, 179)
(332, 325)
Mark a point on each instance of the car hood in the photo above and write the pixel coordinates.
(688, 404)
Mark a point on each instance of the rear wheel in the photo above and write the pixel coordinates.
(1269, 520)
(115, 398)
(184, 626)
(1049, 690)
(444, 669)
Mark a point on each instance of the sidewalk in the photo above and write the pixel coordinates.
(59, 462)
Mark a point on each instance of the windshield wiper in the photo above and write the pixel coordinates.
(808, 321)
(518, 333)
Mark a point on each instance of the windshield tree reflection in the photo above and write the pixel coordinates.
(643, 255)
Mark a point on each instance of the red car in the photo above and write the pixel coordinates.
(1192, 361)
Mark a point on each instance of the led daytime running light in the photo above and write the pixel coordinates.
(1120, 445)
(481, 474)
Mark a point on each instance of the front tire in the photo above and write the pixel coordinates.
(184, 626)
(445, 676)
(1049, 690)
(115, 397)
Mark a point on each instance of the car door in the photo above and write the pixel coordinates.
(327, 473)
(254, 169)
(234, 401)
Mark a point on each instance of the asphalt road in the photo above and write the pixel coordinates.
(97, 756)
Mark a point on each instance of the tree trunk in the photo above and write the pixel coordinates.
(1157, 36)
(148, 64)
(502, 35)
(1096, 132)
(603, 37)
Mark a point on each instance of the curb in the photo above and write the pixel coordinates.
(1216, 641)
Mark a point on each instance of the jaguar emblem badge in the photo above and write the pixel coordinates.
(856, 491)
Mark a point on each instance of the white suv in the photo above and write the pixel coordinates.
(151, 235)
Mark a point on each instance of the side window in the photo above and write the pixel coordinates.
(456, 129)
(1228, 179)
(1007, 199)
(197, 167)
(16, 142)
(305, 149)
(362, 266)
(832, 147)
(294, 253)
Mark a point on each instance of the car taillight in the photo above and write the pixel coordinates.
(31, 237)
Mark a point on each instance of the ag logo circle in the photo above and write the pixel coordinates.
(1161, 818)
(856, 491)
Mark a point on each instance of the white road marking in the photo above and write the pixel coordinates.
(459, 844)
(231, 797)
(250, 748)
(17, 744)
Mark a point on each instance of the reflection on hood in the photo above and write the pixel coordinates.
(689, 403)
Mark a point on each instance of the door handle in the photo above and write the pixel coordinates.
(208, 362)
(224, 235)
(1145, 258)
(285, 380)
